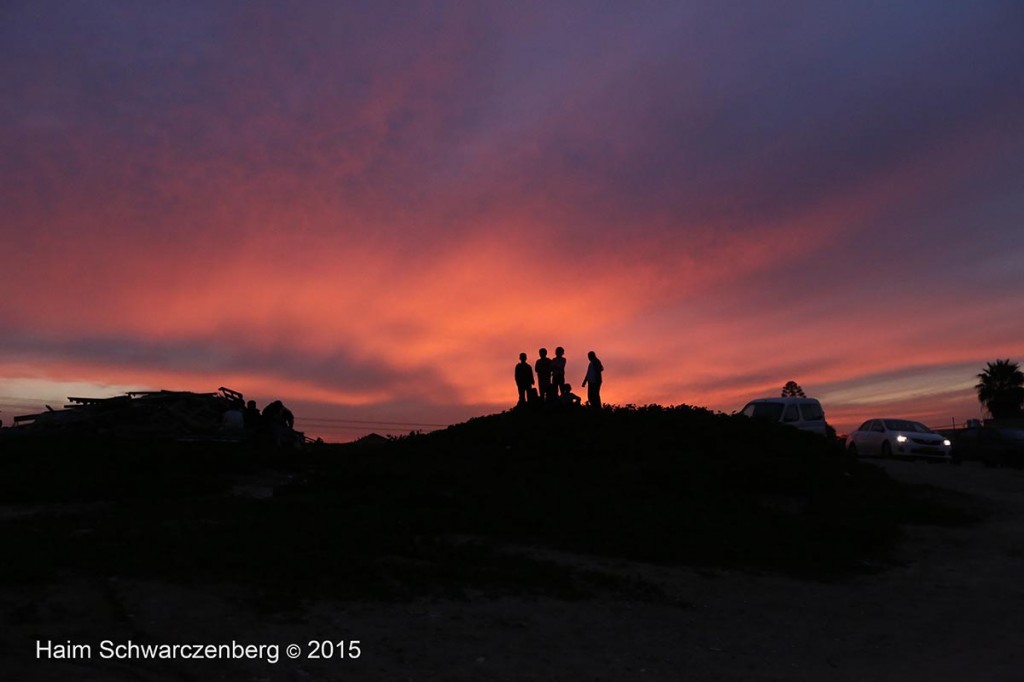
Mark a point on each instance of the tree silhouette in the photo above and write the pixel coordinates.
(792, 390)
(1001, 389)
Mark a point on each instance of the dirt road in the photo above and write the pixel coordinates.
(952, 609)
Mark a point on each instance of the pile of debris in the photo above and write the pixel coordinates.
(170, 415)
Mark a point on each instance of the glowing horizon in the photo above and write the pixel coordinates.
(370, 214)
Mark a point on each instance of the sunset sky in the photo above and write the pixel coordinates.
(369, 209)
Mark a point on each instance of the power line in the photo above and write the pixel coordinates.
(299, 423)
(335, 420)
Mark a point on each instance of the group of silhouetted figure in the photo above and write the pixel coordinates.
(550, 387)
(276, 424)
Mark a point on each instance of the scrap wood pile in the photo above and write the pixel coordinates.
(176, 415)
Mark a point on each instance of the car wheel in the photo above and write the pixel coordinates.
(886, 451)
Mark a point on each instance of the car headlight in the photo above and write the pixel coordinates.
(946, 443)
(901, 439)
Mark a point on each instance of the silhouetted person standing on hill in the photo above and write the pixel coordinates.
(593, 380)
(558, 373)
(543, 367)
(252, 418)
(524, 378)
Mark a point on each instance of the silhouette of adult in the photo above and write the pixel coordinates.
(251, 411)
(278, 423)
(252, 418)
(524, 378)
(558, 373)
(277, 413)
(593, 380)
(543, 367)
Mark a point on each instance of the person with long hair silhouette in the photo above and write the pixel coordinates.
(593, 380)
(524, 378)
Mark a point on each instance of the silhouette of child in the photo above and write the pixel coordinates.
(568, 397)
(558, 372)
(543, 367)
(524, 378)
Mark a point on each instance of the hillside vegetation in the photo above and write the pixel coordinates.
(457, 509)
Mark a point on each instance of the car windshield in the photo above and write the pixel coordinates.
(771, 411)
(904, 425)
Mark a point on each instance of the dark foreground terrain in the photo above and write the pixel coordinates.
(514, 546)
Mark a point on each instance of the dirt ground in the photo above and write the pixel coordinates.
(952, 609)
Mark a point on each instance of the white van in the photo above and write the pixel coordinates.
(803, 413)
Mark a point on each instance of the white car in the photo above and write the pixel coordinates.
(897, 438)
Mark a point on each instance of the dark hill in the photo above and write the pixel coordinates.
(676, 484)
(456, 508)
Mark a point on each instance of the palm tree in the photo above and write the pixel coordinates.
(1001, 389)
